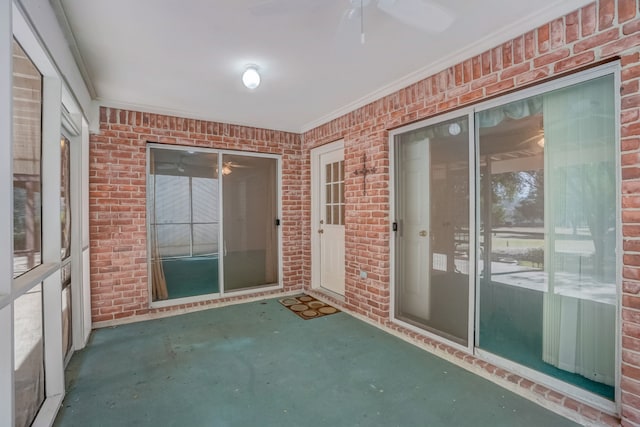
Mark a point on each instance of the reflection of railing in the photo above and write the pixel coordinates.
(213, 242)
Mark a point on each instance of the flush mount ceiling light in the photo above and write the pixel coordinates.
(251, 77)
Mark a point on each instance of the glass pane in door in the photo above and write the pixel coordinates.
(249, 221)
(547, 265)
(432, 241)
(184, 220)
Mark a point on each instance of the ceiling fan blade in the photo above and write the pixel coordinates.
(353, 13)
(421, 14)
(165, 166)
(280, 7)
(235, 165)
(347, 28)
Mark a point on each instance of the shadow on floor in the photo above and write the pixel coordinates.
(257, 364)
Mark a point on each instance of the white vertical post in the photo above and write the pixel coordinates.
(6, 220)
(51, 127)
(77, 291)
(86, 285)
(51, 233)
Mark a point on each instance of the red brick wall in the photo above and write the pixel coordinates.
(117, 201)
(602, 31)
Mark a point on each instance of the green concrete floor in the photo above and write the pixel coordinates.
(257, 364)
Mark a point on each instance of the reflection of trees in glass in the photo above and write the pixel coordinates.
(586, 197)
(530, 209)
(518, 198)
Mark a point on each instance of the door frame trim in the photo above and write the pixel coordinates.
(316, 153)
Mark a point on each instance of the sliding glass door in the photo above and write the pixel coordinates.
(198, 199)
(537, 254)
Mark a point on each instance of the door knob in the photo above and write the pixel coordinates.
(423, 233)
(320, 231)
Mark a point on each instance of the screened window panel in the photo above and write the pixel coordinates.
(28, 356)
(27, 149)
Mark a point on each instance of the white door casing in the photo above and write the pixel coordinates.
(328, 214)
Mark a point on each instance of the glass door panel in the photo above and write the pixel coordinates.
(249, 221)
(184, 221)
(432, 241)
(547, 266)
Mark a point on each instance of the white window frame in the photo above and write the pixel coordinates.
(15, 24)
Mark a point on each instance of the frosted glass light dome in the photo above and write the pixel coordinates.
(251, 78)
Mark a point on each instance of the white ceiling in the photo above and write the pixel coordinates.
(186, 57)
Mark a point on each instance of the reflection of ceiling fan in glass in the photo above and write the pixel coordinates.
(185, 164)
(228, 167)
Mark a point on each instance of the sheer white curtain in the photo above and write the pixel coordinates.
(580, 227)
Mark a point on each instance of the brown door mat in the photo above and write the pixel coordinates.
(307, 307)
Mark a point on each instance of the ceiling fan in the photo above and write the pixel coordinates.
(424, 15)
(228, 167)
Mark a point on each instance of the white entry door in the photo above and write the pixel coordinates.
(328, 218)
